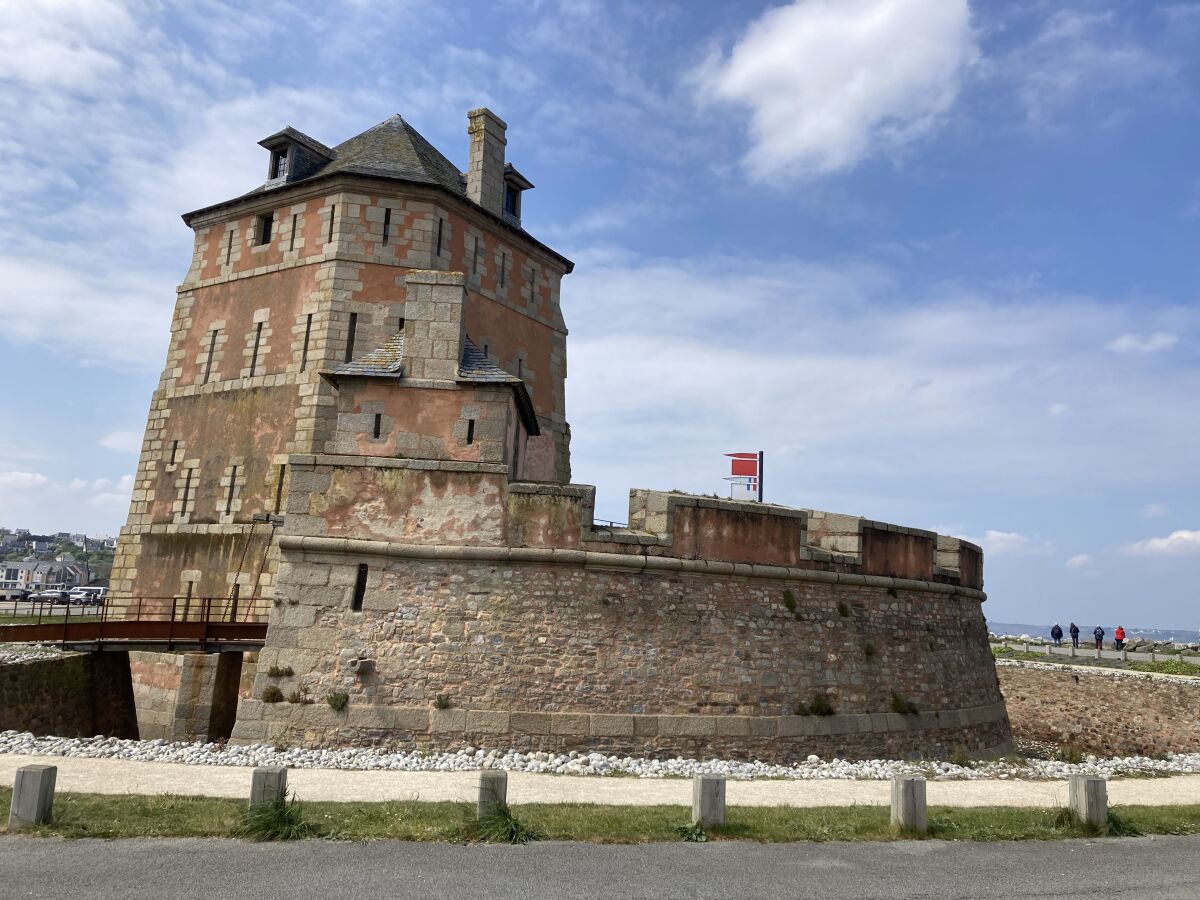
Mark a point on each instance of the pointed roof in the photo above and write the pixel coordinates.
(394, 149)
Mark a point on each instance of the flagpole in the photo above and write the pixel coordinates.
(760, 476)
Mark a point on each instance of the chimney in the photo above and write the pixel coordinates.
(485, 170)
(433, 324)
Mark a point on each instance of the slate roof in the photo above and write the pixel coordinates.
(394, 149)
(382, 363)
(391, 149)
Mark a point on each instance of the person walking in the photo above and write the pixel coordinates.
(1074, 635)
(1098, 634)
(1119, 637)
(1056, 635)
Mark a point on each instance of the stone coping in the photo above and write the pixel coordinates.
(627, 562)
(505, 722)
(1104, 671)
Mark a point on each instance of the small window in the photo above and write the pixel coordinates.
(279, 160)
(350, 336)
(279, 487)
(360, 588)
(174, 452)
(257, 343)
(187, 492)
(229, 246)
(264, 227)
(304, 349)
(332, 218)
(512, 201)
(503, 268)
(292, 238)
(441, 231)
(212, 349)
(378, 425)
(232, 487)
(387, 224)
(470, 431)
(400, 327)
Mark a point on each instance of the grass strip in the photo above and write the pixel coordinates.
(127, 816)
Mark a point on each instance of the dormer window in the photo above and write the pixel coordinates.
(514, 185)
(279, 162)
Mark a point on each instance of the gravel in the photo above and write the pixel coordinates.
(575, 763)
(17, 653)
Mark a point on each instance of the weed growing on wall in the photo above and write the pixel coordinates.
(441, 701)
(789, 600)
(338, 700)
(276, 672)
(902, 706)
(272, 694)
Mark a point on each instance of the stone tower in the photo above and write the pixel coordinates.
(368, 299)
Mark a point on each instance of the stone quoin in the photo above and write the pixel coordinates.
(362, 421)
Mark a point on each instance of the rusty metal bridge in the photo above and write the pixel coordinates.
(206, 624)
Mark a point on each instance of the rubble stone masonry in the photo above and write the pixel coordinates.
(539, 631)
(1102, 711)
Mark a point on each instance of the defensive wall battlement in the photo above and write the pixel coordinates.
(719, 536)
(453, 607)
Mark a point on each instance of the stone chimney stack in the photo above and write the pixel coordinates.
(485, 170)
(433, 324)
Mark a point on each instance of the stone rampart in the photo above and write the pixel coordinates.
(706, 627)
(1104, 711)
(76, 695)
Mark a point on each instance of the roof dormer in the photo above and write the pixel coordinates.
(514, 185)
(294, 155)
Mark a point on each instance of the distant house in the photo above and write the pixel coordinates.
(33, 574)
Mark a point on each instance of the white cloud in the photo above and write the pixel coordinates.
(1154, 510)
(1177, 543)
(1011, 543)
(830, 82)
(123, 441)
(22, 480)
(1079, 561)
(1143, 343)
(880, 389)
(35, 501)
(1076, 59)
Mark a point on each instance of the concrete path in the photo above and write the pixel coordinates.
(1159, 868)
(115, 776)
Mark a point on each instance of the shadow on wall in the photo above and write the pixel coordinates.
(78, 695)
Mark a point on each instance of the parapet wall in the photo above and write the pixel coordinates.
(706, 627)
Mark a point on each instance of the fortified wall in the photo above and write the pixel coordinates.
(496, 613)
(361, 426)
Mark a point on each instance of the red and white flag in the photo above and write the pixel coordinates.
(746, 469)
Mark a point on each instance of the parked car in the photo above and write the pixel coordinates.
(88, 596)
(57, 598)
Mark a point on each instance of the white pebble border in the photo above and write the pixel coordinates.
(18, 653)
(574, 763)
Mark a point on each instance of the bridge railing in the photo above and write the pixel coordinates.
(202, 621)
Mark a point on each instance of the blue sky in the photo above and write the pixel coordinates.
(938, 259)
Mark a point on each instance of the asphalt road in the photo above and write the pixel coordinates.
(1162, 868)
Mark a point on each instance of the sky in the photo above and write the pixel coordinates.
(936, 258)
